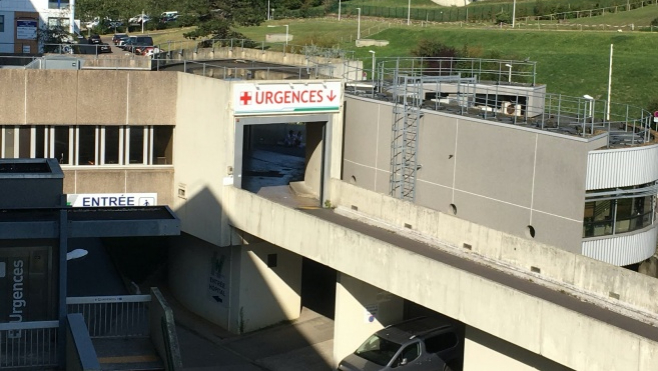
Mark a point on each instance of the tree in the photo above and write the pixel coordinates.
(216, 18)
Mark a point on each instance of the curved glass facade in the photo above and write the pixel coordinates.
(621, 210)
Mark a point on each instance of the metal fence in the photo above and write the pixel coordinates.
(113, 316)
(28, 344)
(503, 91)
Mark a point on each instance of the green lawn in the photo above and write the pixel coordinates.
(569, 62)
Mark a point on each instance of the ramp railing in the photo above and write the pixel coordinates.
(113, 316)
(30, 345)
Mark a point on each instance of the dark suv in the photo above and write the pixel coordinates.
(420, 344)
(94, 39)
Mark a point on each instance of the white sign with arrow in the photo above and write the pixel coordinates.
(301, 97)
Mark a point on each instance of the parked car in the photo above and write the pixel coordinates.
(168, 16)
(104, 48)
(128, 44)
(149, 51)
(138, 19)
(117, 37)
(420, 344)
(94, 39)
(138, 43)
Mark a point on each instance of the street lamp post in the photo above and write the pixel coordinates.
(373, 64)
(509, 73)
(339, 3)
(358, 24)
(513, 14)
(268, 10)
(409, 13)
(590, 100)
(607, 108)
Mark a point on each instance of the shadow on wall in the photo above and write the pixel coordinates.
(247, 285)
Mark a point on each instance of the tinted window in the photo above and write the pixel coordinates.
(441, 342)
(409, 354)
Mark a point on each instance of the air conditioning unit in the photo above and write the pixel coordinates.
(511, 109)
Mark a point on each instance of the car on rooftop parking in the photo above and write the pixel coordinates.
(419, 344)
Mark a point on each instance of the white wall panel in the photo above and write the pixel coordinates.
(622, 167)
(623, 249)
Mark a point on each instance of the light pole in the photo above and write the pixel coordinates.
(373, 64)
(282, 25)
(513, 14)
(591, 106)
(607, 108)
(409, 12)
(339, 3)
(358, 24)
(509, 73)
(268, 10)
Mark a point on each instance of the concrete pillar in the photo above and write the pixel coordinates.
(361, 310)
(483, 351)
(269, 287)
(649, 267)
(314, 156)
(241, 288)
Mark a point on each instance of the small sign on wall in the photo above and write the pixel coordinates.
(26, 30)
(370, 313)
(112, 199)
(218, 281)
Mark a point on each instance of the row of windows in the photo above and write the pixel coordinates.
(87, 145)
(608, 217)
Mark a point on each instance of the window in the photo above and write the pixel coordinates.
(9, 145)
(86, 145)
(62, 145)
(2, 23)
(441, 342)
(162, 145)
(40, 142)
(136, 148)
(619, 210)
(409, 354)
(24, 139)
(58, 4)
(89, 145)
(111, 147)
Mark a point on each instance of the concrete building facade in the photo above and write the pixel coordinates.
(515, 195)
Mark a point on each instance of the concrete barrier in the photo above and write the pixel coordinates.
(592, 277)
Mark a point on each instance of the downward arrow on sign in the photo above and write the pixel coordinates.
(331, 96)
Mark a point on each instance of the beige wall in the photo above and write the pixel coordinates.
(141, 180)
(190, 264)
(350, 323)
(497, 175)
(266, 295)
(65, 97)
(203, 150)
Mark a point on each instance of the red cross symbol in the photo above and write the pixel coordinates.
(245, 98)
